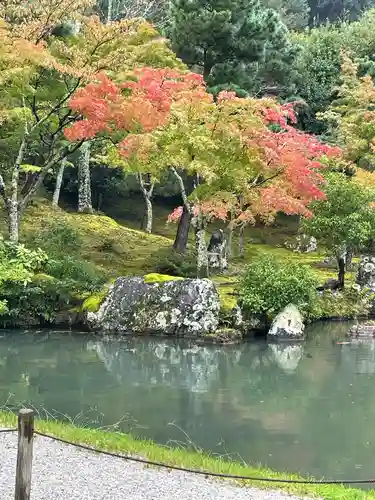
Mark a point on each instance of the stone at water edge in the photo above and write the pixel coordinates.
(366, 272)
(177, 307)
(288, 325)
(366, 276)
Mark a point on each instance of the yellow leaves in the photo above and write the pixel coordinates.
(25, 167)
(365, 178)
(35, 20)
(116, 48)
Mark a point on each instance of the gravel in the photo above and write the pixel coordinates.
(63, 472)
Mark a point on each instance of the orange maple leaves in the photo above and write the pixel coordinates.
(139, 105)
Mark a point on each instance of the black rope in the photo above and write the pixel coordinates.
(205, 473)
(7, 430)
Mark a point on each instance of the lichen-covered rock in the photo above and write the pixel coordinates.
(183, 307)
(366, 272)
(288, 325)
(366, 276)
(303, 244)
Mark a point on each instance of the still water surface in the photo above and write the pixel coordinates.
(307, 408)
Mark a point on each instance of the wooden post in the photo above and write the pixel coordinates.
(25, 454)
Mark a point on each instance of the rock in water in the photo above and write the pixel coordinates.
(179, 307)
(288, 325)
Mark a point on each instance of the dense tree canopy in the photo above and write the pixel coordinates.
(237, 112)
(236, 45)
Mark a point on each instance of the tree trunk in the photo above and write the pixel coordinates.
(341, 276)
(229, 247)
(59, 179)
(109, 11)
(13, 221)
(84, 179)
(241, 242)
(147, 195)
(182, 235)
(202, 254)
(148, 216)
(12, 204)
(348, 259)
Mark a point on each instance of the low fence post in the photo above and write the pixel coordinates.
(24, 454)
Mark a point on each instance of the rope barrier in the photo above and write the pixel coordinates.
(7, 430)
(205, 473)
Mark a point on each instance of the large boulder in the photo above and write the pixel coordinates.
(177, 307)
(288, 325)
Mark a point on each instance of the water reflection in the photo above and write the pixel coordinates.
(287, 356)
(306, 407)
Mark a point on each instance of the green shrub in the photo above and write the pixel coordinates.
(348, 303)
(33, 288)
(269, 285)
(167, 261)
(77, 274)
(57, 238)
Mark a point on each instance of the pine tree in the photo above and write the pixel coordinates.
(294, 13)
(232, 43)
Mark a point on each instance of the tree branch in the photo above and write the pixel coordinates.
(182, 189)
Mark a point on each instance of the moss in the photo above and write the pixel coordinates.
(160, 278)
(128, 254)
(93, 302)
(226, 287)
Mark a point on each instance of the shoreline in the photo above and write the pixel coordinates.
(118, 442)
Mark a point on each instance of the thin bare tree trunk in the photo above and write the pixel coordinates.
(84, 179)
(230, 229)
(202, 257)
(241, 242)
(348, 259)
(182, 235)
(59, 179)
(12, 204)
(201, 246)
(147, 195)
(109, 11)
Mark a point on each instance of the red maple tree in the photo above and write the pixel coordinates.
(138, 105)
(285, 176)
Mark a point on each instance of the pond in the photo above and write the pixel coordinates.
(307, 408)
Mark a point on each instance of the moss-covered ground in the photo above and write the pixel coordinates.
(118, 248)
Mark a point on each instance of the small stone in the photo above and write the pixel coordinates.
(288, 325)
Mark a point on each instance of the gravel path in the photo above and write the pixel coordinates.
(63, 472)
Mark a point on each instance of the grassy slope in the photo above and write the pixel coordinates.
(125, 250)
(126, 444)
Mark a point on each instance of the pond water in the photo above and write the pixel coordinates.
(307, 408)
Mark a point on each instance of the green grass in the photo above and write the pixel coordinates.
(126, 444)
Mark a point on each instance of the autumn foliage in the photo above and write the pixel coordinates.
(251, 158)
(143, 104)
